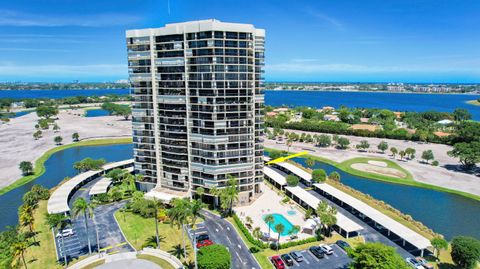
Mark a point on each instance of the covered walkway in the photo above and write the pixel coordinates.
(304, 176)
(101, 186)
(345, 226)
(58, 202)
(275, 176)
(408, 239)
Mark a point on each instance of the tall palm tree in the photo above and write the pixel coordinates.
(157, 205)
(280, 228)
(200, 192)
(26, 218)
(81, 206)
(257, 232)
(57, 222)
(229, 195)
(214, 192)
(195, 207)
(269, 219)
(179, 214)
(19, 248)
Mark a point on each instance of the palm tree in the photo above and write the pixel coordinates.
(229, 195)
(257, 232)
(19, 248)
(179, 214)
(56, 222)
(200, 192)
(157, 205)
(249, 220)
(214, 192)
(280, 228)
(269, 219)
(81, 206)
(310, 162)
(26, 218)
(195, 207)
(295, 229)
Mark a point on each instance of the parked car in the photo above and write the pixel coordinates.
(65, 233)
(414, 264)
(277, 262)
(327, 249)
(297, 256)
(287, 259)
(202, 237)
(204, 243)
(424, 263)
(317, 252)
(342, 244)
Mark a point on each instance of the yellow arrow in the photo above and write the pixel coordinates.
(282, 159)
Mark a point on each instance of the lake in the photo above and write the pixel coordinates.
(55, 94)
(394, 101)
(58, 166)
(96, 113)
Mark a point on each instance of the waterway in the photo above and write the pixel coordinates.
(58, 166)
(96, 113)
(445, 213)
(394, 101)
(55, 94)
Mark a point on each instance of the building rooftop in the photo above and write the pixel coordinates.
(296, 170)
(276, 175)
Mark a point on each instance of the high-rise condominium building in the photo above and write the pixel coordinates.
(198, 105)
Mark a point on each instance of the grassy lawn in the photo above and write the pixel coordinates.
(42, 255)
(163, 263)
(39, 168)
(138, 230)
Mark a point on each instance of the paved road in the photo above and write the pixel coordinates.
(223, 232)
(338, 260)
(108, 231)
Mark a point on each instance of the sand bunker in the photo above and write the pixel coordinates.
(378, 163)
(386, 171)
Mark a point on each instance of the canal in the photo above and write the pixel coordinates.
(448, 214)
(58, 166)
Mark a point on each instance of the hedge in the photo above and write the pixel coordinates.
(247, 234)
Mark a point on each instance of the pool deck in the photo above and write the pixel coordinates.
(269, 203)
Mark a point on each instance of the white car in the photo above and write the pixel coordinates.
(65, 233)
(327, 249)
(414, 263)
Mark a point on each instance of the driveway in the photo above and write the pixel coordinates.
(222, 232)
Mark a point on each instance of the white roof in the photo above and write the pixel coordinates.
(296, 170)
(276, 175)
(58, 202)
(101, 186)
(343, 222)
(161, 196)
(266, 158)
(399, 229)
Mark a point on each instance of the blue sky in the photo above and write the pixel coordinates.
(317, 40)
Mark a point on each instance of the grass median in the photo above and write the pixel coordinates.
(39, 166)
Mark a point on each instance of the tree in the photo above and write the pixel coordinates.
(57, 222)
(402, 154)
(438, 243)
(82, 207)
(468, 153)
(324, 140)
(410, 152)
(26, 167)
(279, 228)
(89, 164)
(292, 180)
(335, 176)
(58, 140)
(214, 257)
(319, 175)
(394, 151)
(26, 217)
(269, 220)
(200, 191)
(310, 162)
(156, 206)
(427, 155)
(257, 233)
(383, 146)
(343, 142)
(56, 128)
(364, 145)
(75, 137)
(46, 111)
(229, 194)
(375, 256)
(465, 251)
(289, 144)
(19, 248)
(196, 207)
(179, 215)
(461, 114)
(37, 134)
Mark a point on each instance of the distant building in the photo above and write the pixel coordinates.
(281, 109)
(271, 114)
(331, 118)
(445, 122)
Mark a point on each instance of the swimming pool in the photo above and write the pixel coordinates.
(280, 219)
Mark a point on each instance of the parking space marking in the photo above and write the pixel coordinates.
(305, 258)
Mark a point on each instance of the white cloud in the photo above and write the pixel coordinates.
(14, 18)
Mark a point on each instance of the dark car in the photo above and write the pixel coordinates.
(297, 256)
(342, 244)
(287, 259)
(202, 237)
(317, 252)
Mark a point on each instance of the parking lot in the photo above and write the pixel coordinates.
(337, 260)
(72, 246)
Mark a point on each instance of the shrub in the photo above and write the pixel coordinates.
(319, 175)
(292, 180)
(247, 234)
(465, 251)
(214, 257)
(435, 163)
(285, 200)
(254, 249)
